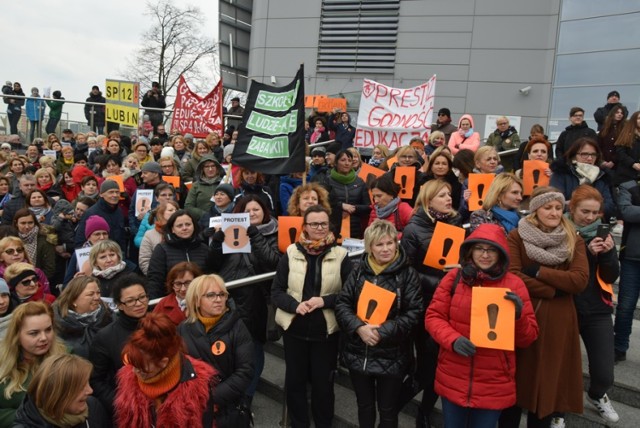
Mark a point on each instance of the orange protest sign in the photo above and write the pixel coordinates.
(392, 161)
(366, 171)
(328, 104)
(173, 180)
(604, 285)
(533, 175)
(374, 303)
(479, 186)
(289, 228)
(405, 178)
(345, 227)
(444, 247)
(493, 318)
(118, 179)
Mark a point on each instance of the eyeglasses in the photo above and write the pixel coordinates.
(482, 250)
(587, 155)
(322, 225)
(12, 251)
(177, 285)
(29, 281)
(132, 302)
(215, 296)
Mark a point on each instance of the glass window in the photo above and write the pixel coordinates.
(576, 9)
(611, 32)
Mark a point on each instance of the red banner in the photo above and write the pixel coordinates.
(197, 115)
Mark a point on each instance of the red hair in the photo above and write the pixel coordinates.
(155, 339)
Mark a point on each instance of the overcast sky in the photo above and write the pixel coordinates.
(71, 45)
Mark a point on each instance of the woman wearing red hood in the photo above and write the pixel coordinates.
(465, 137)
(477, 383)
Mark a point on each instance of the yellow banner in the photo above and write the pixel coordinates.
(124, 115)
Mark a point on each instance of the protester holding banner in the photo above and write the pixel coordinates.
(181, 244)
(378, 353)
(208, 176)
(581, 165)
(548, 255)
(434, 204)
(465, 137)
(501, 204)
(308, 279)
(440, 167)
(348, 196)
(474, 382)
(387, 205)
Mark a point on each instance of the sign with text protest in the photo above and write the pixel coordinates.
(271, 137)
(123, 99)
(393, 116)
(197, 115)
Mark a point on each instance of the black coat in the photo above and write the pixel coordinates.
(356, 194)
(168, 254)
(570, 135)
(106, 359)
(78, 336)
(392, 355)
(250, 300)
(28, 416)
(416, 238)
(235, 365)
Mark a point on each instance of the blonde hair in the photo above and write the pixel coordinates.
(499, 187)
(57, 383)
(14, 370)
(428, 191)
(196, 290)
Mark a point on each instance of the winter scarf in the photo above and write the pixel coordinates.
(508, 219)
(30, 240)
(546, 248)
(316, 247)
(109, 273)
(388, 209)
(342, 178)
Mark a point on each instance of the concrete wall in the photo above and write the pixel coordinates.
(483, 52)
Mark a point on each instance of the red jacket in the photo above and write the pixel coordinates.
(168, 305)
(487, 379)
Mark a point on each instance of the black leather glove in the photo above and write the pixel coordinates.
(516, 301)
(531, 270)
(464, 347)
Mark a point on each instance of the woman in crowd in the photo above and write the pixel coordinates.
(80, 313)
(29, 340)
(162, 386)
(440, 167)
(348, 196)
(581, 166)
(214, 333)
(37, 202)
(251, 302)
(46, 182)
(174, 304)
(252, 183)
(379, 154)
(59, 395)
(627, 150)
(538, 148)
(609, 134)
(153, 236)
(12, 251)
(505, 137)
(200, 149)
(132, 301)
(548, 255)
(24, 284)
(434, 204)
(501, 203)
(387, 205)
(465, 137)
(181, 244)
(107, 265)
(208, 176)
(40, 251)
(306, 196)
(594, 305)
(408, 157)
(222, 203)
(379, 355)
(477, 383)
(308, 279)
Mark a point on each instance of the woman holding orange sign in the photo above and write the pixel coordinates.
(377, 308)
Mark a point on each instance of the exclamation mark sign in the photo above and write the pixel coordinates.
(403, 180)
(373, 304)
(292, 234)
(236, 235)
(536, 177)
(480, 192)
(492, 311)
(446, 247)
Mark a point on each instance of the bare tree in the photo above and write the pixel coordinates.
(171, 47)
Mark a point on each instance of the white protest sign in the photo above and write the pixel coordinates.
(143, 201)
(236, 239)
(82, 255)
(393, 116)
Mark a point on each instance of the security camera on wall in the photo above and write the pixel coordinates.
(525, 90)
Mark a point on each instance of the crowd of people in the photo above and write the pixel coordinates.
(83, 255)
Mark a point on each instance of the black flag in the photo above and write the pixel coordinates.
(271, 137)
